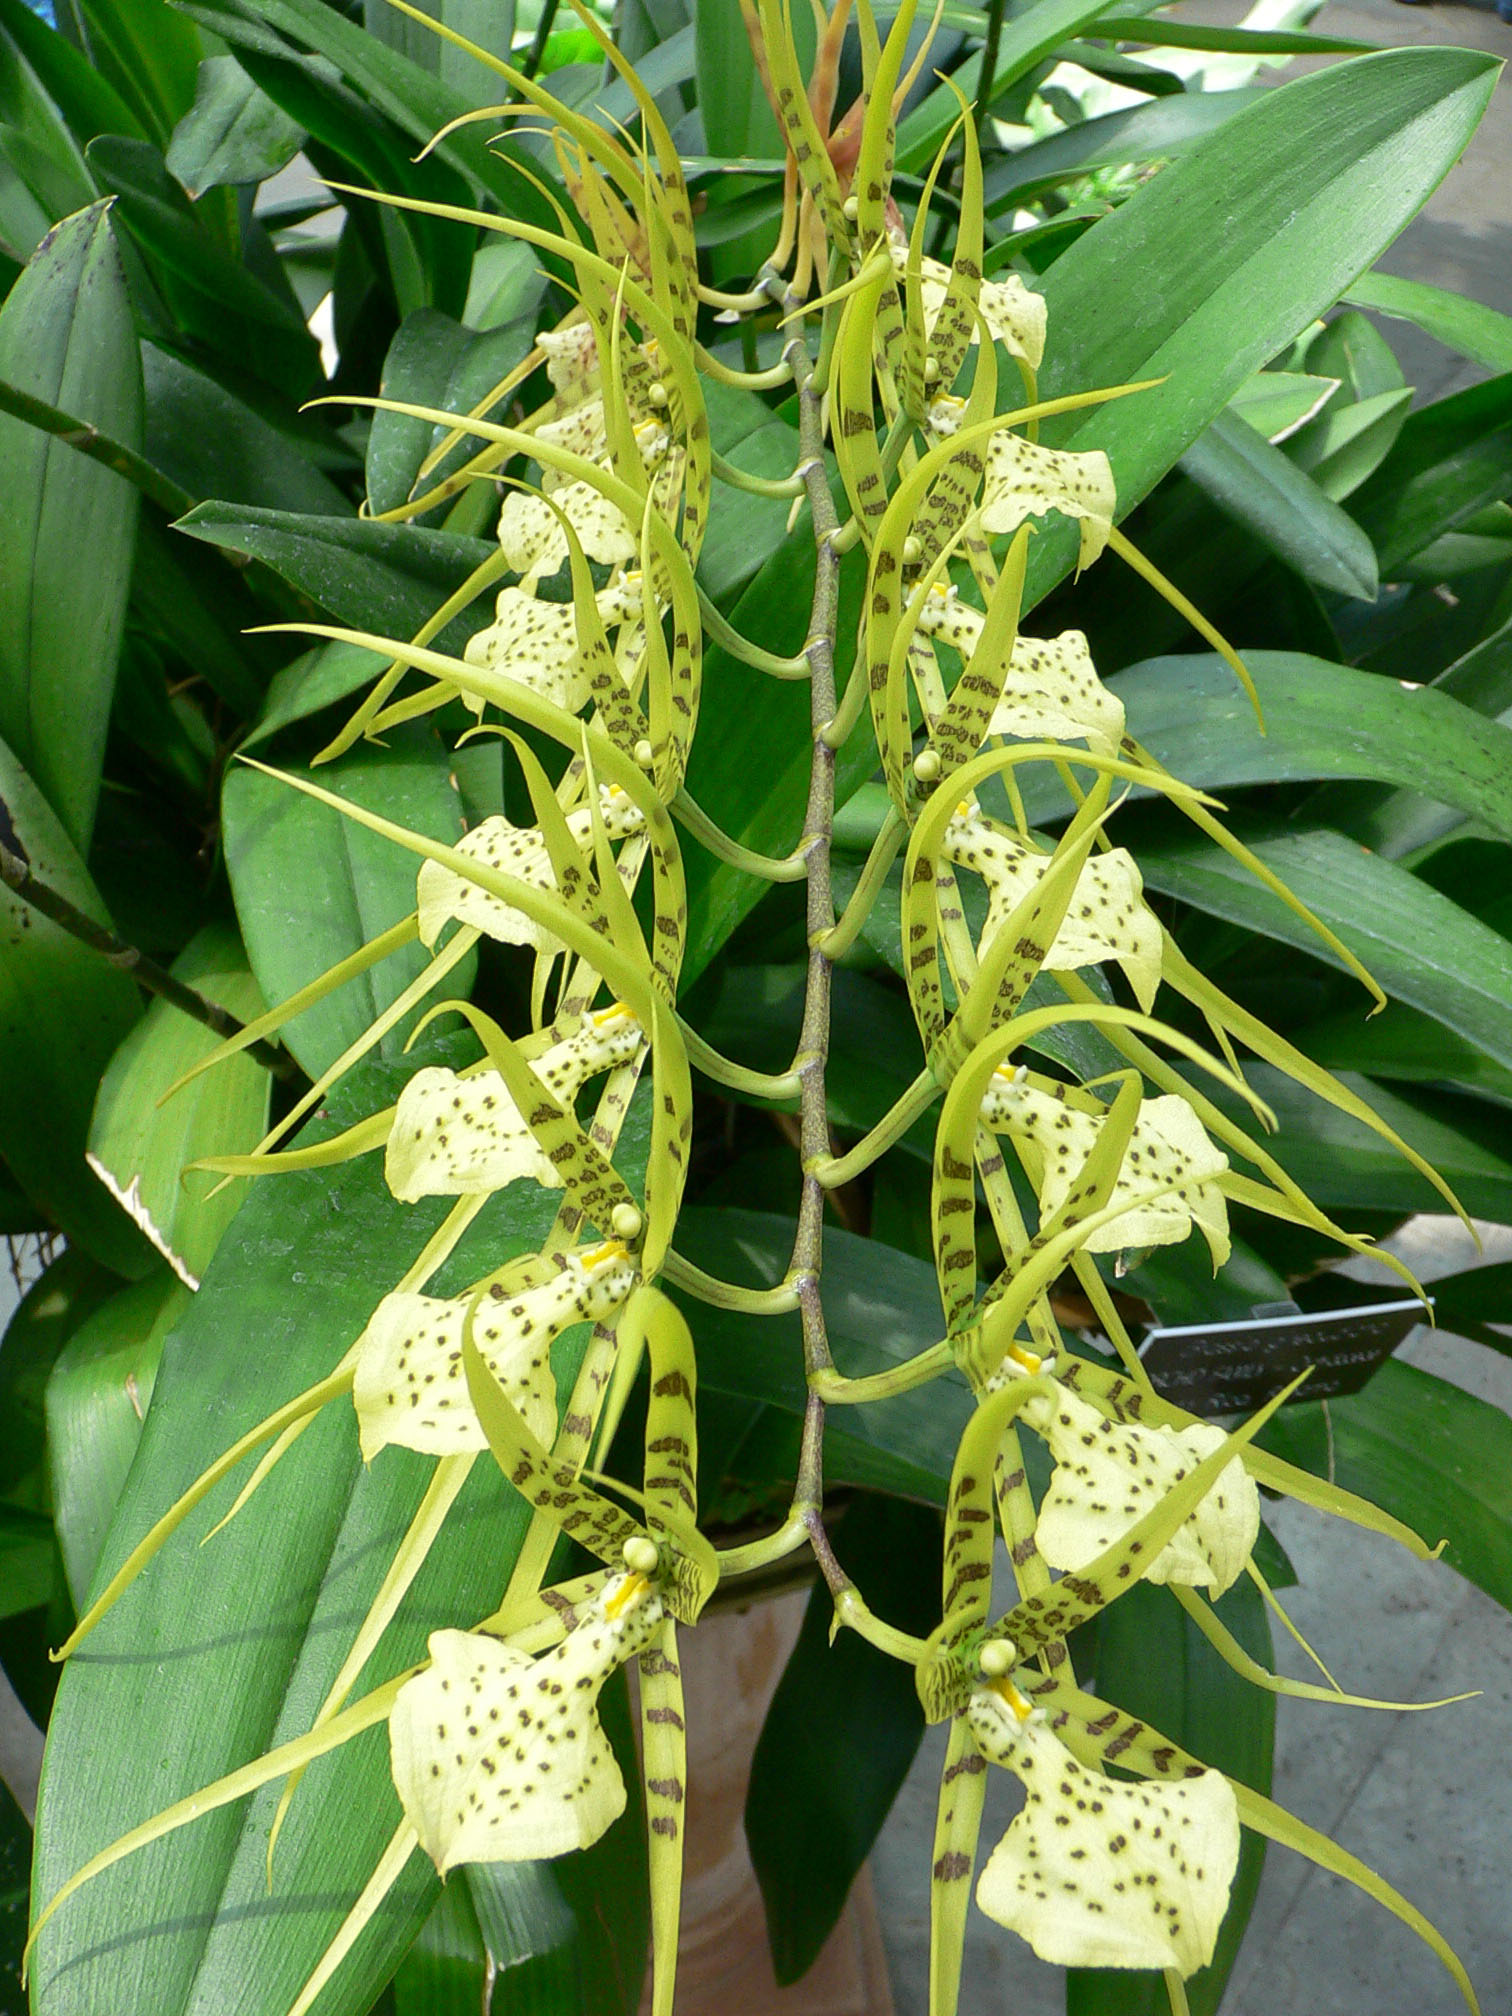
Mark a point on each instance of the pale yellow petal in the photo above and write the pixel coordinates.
(1098, 1873)
(1051, 692)
(1109, 1474)
(498, 1757)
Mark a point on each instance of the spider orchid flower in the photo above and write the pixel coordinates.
(442, 894)
(1051, 693)
(1094, 1872)
(464, 1136)
(1107, 917)
(536, 642)
(1108, 1474)
(1015, 316)
(409, 1385)
(500, 1757)
(1023, 480)
(1055, 1130)
(530, 532)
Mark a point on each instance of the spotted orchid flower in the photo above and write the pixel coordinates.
(530, 532)
(456, 1135)
(1109, 1473)
(1051, 693)
(1015, 316)
(536, 642)
(442, 894)
(409, 1385)
(500, 1757)
(1094, 1872)
(1055, 1129)
(1024, 480)
(1107, 917)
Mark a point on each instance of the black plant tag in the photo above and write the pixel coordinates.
(1233, 1368)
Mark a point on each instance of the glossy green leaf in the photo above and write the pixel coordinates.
(224, 1648)
(1262, 490)
(840, 1734)
(1157, 132)
(1422, 948)
(312, 886)
(215, 444)
(1426, 1451)
(1352, 349)
(86, 100)
(52, 1310)
(1026, 39)
(388, 578)
(1347, 1169)
(1276, 403)
(1321, 721)
(1476, 331)
(1154, 1663)
(1238, 246)
(1470, 1302)
(315, 680)
(210, 294)
(1450, 460)
(434, 361)
(445, 1972)
(66, 335)
(141, 1149)
(1348, 443)
(417, 103)
(733, 105)
(47, 1088)
(149, 53)
(97, 1396)
(1405, 1044)
(232, 133)
(1161, 32)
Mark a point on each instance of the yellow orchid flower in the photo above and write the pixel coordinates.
(1051, 691)
(536, 642)
(1024, 480)
(1014, 314)
(1094, 1872)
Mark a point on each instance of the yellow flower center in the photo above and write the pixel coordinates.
(626, 1597)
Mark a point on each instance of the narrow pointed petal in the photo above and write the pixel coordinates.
(1051, 692)
(442, 894)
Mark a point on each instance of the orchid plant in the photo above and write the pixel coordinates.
(923, 479)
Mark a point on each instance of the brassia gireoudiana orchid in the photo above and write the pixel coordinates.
(919, 473)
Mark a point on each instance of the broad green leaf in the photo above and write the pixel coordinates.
(1348, 443)
(97, 1396)
(1422, 948)
(226, 1648)
(1026, 39)
(26, 1561)
(1277, 403)
(232, 133)
(1351, 349)
(388, 578)
(83, 96)
(730, 98)
(444, 1973)
(1347, 1169)
(312, 886)
(418, 104)
(318, 679)
(1160, 32)
(142, 1149)
(1450, 460)
(215, 444)
(1239, 245)
(66, 336)
(1262, 490)
(1425, 1450)
(235, 312)
(434, 361)
(1152, 1662)
(1476, 331)
(840, 1734)
(1321, 721)
(150, 55)
(1405, 1044)
(57, 1303)
(47, 1088)
(1153, 132)
(1468, 1303)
